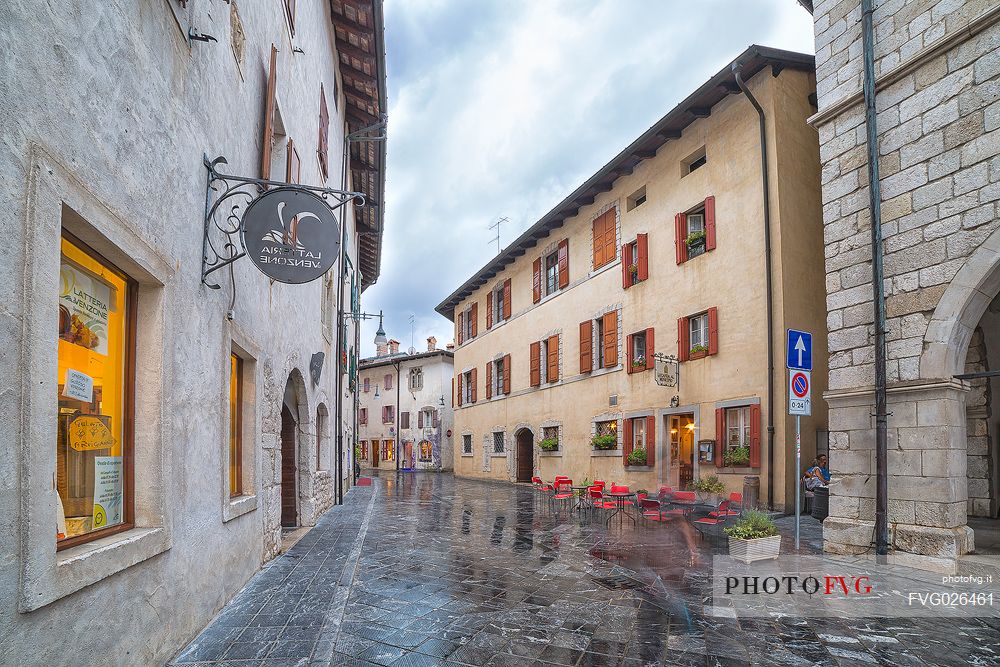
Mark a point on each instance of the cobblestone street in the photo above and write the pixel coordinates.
(432, 570)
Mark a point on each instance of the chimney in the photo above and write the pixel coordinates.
(450, 347)
(432, 344)
(381, 350)
(393, 346)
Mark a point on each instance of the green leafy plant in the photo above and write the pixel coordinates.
(695, 349)
(709, 484)
(639, 362)
(637, 457)
(549, 444)
(633, 269)
(751, 526)
(695, 238)
(608, 441)
(737, 456)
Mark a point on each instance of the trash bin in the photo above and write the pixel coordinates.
(821, 502)
(751, 492)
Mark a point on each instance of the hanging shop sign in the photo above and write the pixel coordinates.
(666, 370)
(291, 235)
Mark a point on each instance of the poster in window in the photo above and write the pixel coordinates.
(107, 491)
(84, 303)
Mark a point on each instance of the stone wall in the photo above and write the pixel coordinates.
(978, 408)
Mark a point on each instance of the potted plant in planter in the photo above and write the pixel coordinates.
(753, 537)
(548, 444)
(696, 240)
(639, 363)
(636, 458)
(633, 270)
(737, 456)
(698, 351)
(709, 489)
(605, 442)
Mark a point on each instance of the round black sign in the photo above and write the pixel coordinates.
(291, 235)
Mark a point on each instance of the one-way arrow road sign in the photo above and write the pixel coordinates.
(799, 348)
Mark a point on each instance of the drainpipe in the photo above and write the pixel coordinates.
(878, 295)
(398, 433)
(737, 70)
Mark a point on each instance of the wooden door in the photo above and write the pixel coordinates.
(525, 455)
(375, 445)
(409, 454)
(289, 511)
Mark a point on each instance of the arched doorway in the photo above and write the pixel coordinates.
(525, 454)
(289, 492)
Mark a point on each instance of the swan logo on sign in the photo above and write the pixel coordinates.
(291, 235)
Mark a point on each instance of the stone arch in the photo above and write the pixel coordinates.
(959, 311)
(322, 439)
(524, 449)
(296, 399)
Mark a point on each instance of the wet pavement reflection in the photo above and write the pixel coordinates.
(425, 569)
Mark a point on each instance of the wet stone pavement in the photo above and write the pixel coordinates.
(425, 569)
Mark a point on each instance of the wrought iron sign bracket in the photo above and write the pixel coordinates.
(227, 199)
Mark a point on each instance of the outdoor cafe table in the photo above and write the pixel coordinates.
(621, 500)
(689, 506)
(581, 495)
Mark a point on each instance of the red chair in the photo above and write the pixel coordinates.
(595, 497)
(540, 485)
(564, 490)
(652, 510)
(734, 506)
(712, 523)
(600, 484)
(683, 496)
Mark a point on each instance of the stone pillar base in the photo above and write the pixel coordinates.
(854, 536)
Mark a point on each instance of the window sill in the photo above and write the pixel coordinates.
(737, 470)
(636, 370)
(554, 453)
(467, 456)
(606, 452)
(498, 455)
(605, 267)
(238, 506)
(698, 355)
(639, 468)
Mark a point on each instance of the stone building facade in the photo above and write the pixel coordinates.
(204, 429)
(405, 415)
(661, 251)
(937, 66)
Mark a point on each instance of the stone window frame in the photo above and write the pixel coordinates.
(472, 444)
(244, 347)
(503, 442)
(57, 201)
(558, 425)
(607, 417)
(543, 359)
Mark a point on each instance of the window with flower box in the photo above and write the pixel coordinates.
(695, 231)
(639, 441)
(640, 351)
(737, 439)
(698, 335)
(635, 261)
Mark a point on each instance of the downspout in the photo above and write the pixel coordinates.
(878, 295)
(338, 383)
(737, 70)
(398, 433)
(357, 369)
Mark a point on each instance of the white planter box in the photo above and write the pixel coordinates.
(748, 551)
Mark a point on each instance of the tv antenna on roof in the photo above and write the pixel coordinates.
(496, 225)
(412, 326)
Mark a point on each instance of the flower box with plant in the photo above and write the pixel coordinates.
(633, 270)
(605, 442)
(639, 362)
(737, 456)
(696, 239)
(637, 457)
(708, 488)
(753, 537)
(548, 444)
(698, 351)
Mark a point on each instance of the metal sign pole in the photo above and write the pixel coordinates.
(798, 469)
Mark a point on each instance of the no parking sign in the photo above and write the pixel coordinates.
(800, 393)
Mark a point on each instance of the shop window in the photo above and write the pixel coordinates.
(467, 443)
(235, 426)
(425, 451)
(95, 389)
(388, 450)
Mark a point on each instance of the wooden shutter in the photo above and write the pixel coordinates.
(611, 339)
(453, 392)
(324, 134)
(506, 374)
(552, 359)
(650, 349)
(683, 339)
(563, 257)
(489, 380)
(535, 364)
(437, 418)
(642, 250)
(473, 387)
(586, 346)
(709, 224)
(458, 385)
(506, 299)
(272, 85)
(626, 274)
(755, 436)
(610, 236)
(474, 314)
(650, 440)
(363, 416)
(680, 237)
(626, 439)
(293, 166)
(404, 420)
(713, 330)
(598, 234)
(420, 419)
(720, 437)
(489, 310)
(629, 339)
(461, 327)
(536, 280)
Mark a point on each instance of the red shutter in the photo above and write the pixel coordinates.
(626, 439)
(536, 280)
(626, 274)
(563, 258)
(552, 359)
(755, 436)
(720, 437)
(586, 346)
(642, 250)
(363, 416)
(650, 349)
(475, 319)
(458, 385)
(535, 364)
(628, 353)
(453, 392)
(420, 419)
(713, 330)
(461, 327)
(489, 380)
(506, 374)
(506, 299)
(324, 133)
(650, 439)
(709, 223)
(474, 383)
(680, 237)
(489, 309)
(272, 87)
(611, 339)
(683, 339)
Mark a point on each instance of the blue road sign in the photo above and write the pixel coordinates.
(800, 350)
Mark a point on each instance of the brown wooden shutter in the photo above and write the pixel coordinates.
(420, 419)
(713, 330)
(461, 327)
(755, 436)
(650, 349)
(642, 250)
(598, 234)
(489, 380)
(626, 274)
(628, 353)
(650, 440)
(458, 386)
(709, 223)
(473, 388)
(683, 340)
(611, 339)
(272, 86)
(489, 310)
(453, 392)
(536, 280)
(324, 134)
(506, 374)
(293, 166)
(610, 236)
(720, 437)
(437, 418)
(563, 257)
(626, 439)
(586, 346)
(535, 364)
(506, 299)
(363, 416)
(474, 314)
(552, 359)
(404, 420)
(680, 237)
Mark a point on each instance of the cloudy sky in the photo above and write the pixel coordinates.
(500, 108)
